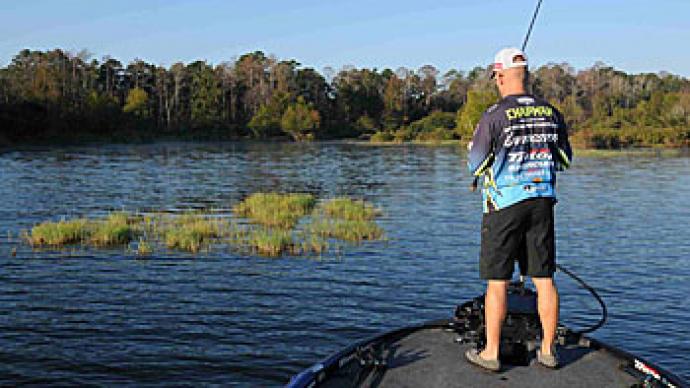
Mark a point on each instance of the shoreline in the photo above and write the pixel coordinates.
(657, 150)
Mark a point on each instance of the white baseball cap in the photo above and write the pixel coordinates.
(508, 58)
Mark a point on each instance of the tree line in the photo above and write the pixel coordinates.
(59, 96)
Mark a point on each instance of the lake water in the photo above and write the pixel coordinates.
(106, 317)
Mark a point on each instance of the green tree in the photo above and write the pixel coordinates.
(300, 120)
(205, 99)
(393, 102)
(468, 116)
(359, 93)
(366, 125)
(61, 95)
(266, 122)
(572, 112)
(136, 102)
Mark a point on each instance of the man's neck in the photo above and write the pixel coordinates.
(514, 92)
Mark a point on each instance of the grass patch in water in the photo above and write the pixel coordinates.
(144, 248)
(346, 230)
(59, 233)
(274, 227)
(349, 209)
(273, 242)
(270, 242)
(114, 229)
(192, 232)
(346, 219)
(313, 244)
(275, 210)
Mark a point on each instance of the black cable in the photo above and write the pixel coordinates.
(604, 311)
(531, 24)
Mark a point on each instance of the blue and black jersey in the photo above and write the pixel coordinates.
(518, 146)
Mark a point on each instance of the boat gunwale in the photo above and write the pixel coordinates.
(318, 372)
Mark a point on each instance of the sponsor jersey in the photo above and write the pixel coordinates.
(518, 146)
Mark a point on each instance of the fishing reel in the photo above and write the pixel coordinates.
(521, 329)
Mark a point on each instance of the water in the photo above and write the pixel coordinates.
(106, 317)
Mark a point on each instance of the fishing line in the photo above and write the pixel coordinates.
(582, 283)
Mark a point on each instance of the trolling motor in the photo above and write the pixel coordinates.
(521, 329)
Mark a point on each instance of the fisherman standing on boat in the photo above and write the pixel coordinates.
(518, 146)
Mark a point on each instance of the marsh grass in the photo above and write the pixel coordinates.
(346, 230)
(275, 227)
(192, 232)
(313, 244)
(59, 233)
(189, 231)
(345, 219)
(269, 241)
(115, 229)
(144, 248)
(275, 210)
(349, 209)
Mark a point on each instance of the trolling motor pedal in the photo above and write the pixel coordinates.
(521, 328)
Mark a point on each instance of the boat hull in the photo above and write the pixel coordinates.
(430, 355)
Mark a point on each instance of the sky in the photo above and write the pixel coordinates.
(631, 35)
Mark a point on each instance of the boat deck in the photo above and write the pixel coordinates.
(432, 358)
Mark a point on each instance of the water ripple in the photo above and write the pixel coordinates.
(83, 317)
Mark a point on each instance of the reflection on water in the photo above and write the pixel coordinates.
(107, 317)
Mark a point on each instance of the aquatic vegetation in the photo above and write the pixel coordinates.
(275, 210)
(313, 244)
(349, 209)
(184, 239)
(346, 219)
(59, 233)
(191, 232)
(270, 242)
(347, 230)
(144, 248)
(115, 229)
(274, 229)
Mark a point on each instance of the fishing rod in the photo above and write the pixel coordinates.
(531, 24)
(475, 181)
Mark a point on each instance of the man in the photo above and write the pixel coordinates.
(518, 146)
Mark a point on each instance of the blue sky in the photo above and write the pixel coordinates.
(633, 35)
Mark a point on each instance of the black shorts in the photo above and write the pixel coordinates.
(523, 232)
